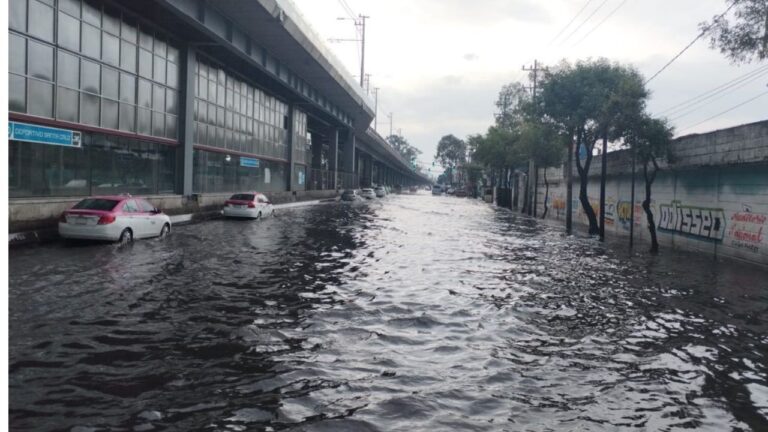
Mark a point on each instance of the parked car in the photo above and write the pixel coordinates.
(350, 195)
(450, 191)
(252, 205)
(461, 193)
(368, 193)
(413, 189)
(120, 218)
(380, 192)
(437, 190)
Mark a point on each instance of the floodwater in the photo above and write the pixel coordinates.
(412, 313)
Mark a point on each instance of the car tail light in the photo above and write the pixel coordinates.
(106, 219)
(251, 204)
(63, 217)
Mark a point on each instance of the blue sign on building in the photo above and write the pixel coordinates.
(249, 162)
(44, 135)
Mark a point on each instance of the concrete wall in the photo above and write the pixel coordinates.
(714, 199)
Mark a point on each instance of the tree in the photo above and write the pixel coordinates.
(542, 143)
(510, 104)
(650, 139)
(584, 101)
(451, 151)
(743, 38)
(409, 152)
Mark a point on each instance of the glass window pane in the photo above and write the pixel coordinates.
(127, 88)
(71, 7)
(128, 30)
(68, 70)
(145, 38)
(171, 104)
(170, 126)
(41, 20)
(127, 117)
(91, 41)
(40, 98)
(17, 94)
(145, 93)
(69, 32)
(158, 124)
(128, 56)
(90, 77)
(166, 167)
(111, 21)
(144, 120)
(109, 82)
(40, 61)
(89, 109)
(110, 49)
(160, 47)
(173, 54)
(145, 63)
(67, 104)
(18, 17)
(109, 113)
(92, 12)
(158, 98)
(159, 70)
(17, 54)
(173, 75)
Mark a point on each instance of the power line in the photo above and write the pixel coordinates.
(570, 22)
(600, 23)
(727, 111)
(718, 95)
(600, 6)
(347, 9)
(682, 105)
(702, 33)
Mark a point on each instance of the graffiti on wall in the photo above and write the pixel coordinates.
(624, 213)
(558, 205)
(699, 222)
(746, 230)
(610, 211)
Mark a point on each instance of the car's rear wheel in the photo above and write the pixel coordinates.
(258, 216)
(126, 236)
(165, 231)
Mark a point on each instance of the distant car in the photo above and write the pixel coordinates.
(437, 190)
(450, 191)
(461, 193)
(380, 191)
(367, 193)
(120, 218)
(253, 205)
(350, 195)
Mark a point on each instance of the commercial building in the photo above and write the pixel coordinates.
(180, 100)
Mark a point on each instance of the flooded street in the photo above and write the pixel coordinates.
(410, 313)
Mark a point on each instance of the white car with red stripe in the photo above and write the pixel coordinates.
(120, 218)
(253, 205)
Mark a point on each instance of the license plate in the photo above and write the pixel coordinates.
(81, 221)
(241, 206)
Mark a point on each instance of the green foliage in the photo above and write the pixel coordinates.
(650, 139)
(451, 151)
(743, 38)
(511, 104)
(409, 152)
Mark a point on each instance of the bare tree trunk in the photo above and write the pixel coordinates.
(569, 189)
(546, 194)
(647, 208)
(584, 181)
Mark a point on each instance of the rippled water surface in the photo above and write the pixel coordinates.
(416, 313)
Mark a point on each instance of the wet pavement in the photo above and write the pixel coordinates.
(405, 314)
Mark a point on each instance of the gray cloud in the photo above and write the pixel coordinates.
(471, 57)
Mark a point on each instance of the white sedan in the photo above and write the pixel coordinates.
(252, 205)
(113, 218)
(368, 193)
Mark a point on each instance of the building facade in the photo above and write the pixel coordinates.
(182, 98)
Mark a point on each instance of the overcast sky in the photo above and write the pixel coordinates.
(440, 63)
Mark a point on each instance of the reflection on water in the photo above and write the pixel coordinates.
(416, 313)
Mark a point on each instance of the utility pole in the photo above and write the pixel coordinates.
(368, 83)
(533, 172)
(375, 107)
(361, 23)
(390, 123)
